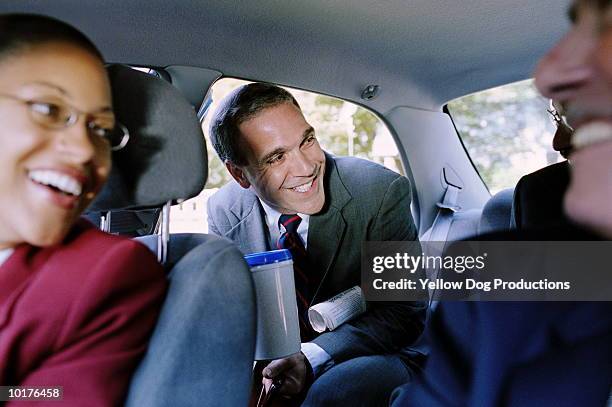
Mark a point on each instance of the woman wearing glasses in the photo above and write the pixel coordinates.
(76, 305)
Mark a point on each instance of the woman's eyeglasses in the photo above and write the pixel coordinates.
(54, 115)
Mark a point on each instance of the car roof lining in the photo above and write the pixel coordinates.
(421, 54)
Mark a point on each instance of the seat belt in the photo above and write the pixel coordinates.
(438, 232)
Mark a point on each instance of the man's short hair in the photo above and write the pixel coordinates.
(240, 105)
(20, 32)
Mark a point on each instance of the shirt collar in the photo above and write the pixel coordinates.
(272, 215)
(5, 254)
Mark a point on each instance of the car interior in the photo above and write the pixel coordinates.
(403, 61)
(194, 322)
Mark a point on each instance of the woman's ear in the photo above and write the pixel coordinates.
(238, 174)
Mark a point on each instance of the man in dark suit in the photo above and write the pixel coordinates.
(553, 353)
(288, 189)
(538, 197)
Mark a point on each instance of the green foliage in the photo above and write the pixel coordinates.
(364, 123)
(502, 127)
(322, 100)
(217, 173)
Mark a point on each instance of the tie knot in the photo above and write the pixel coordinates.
(290, 222)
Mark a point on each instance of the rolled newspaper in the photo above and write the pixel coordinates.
(337, 310)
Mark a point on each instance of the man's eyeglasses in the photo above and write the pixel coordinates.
(54, 115)
(557, 114)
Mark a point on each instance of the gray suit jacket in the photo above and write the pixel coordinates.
(363, 201)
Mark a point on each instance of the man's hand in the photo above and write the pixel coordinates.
(293, 370)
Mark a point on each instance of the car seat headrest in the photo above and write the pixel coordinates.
(165, 158)
(497, 212)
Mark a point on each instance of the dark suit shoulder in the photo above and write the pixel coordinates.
(559, 170)
(365, 178)
(552, 179)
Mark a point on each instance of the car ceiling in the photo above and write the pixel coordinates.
(421, 53)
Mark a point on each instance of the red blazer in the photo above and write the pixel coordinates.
(78, 315)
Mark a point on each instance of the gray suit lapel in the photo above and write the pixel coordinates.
(326, 230)
(251, 232)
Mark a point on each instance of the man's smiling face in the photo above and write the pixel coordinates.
(577, 72)
(286, 165)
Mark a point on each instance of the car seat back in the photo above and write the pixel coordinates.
(202, 348)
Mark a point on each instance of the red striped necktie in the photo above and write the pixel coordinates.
(292, 241)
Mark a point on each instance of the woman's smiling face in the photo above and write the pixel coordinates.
(48, 175)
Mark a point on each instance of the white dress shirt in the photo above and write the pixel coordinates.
(319, 359)
(5, 254)
(272, 217)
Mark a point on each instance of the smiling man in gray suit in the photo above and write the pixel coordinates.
(289, 193)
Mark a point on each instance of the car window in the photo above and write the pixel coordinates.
(343, 129)
(507, 132)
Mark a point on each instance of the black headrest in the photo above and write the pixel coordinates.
(497, 212)
(165, 158)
